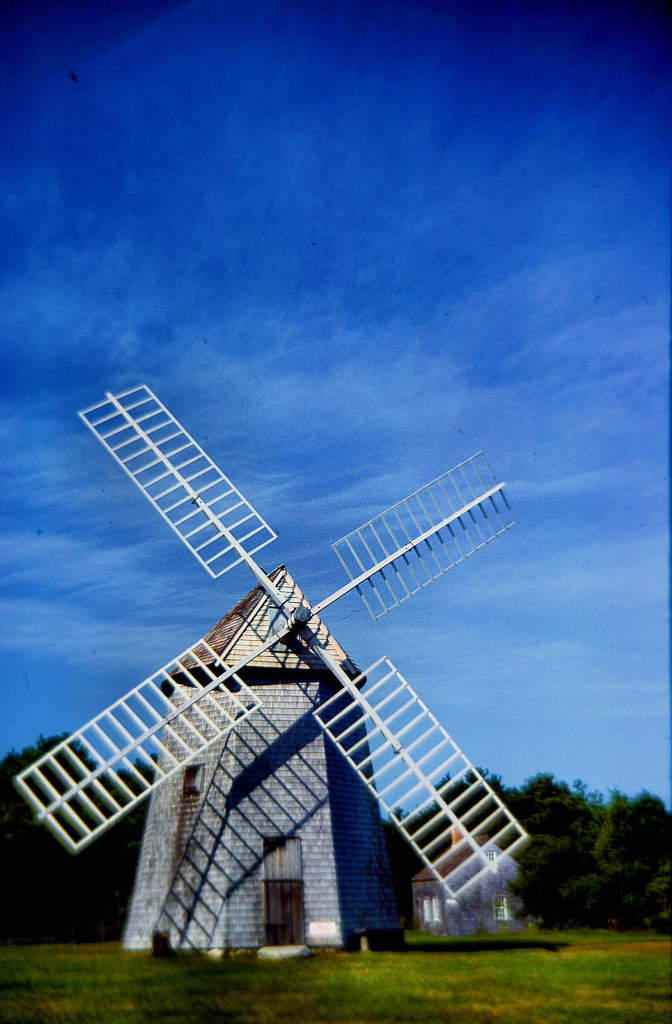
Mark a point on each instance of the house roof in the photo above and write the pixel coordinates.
(252, 620)
(456, 855)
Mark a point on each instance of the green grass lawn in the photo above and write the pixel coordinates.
(577, 977)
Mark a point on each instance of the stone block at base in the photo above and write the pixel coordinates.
(282, 952)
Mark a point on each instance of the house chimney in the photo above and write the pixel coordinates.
(456, 835)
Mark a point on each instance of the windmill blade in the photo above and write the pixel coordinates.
(405, 548)
(218, 525)
(431, 791)
(88, 782)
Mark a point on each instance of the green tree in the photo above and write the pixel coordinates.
(563, 824)
(658, 895)
(54, 895)
(590, 863)
(630, 849)
(404, 864)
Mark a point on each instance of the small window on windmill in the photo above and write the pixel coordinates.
(436, 909)
(491, 854)
(193, 780)
(427, 909)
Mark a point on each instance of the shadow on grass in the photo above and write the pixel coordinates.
(481, 945)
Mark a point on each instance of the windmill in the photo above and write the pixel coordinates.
(264, 749)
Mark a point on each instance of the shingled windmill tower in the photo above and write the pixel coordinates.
(269, 838)
(262, 746)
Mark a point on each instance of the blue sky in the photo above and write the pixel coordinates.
(348, 246)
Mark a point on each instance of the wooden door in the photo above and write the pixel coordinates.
(283, 892)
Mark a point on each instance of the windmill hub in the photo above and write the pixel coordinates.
(296, 620)
(302, 614)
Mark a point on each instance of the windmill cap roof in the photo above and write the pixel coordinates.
(246, 626)
(224, 632)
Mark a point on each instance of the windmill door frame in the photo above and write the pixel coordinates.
(283, 892)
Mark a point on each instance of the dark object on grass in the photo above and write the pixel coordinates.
(160, 944)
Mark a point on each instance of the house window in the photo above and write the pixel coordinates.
(427, 909)
(436, 909)
(193, 780)
(502, 909)
(491, 854)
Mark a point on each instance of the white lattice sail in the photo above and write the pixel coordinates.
(432, 792)
(405, 548)
(85, 784)
(192, 494)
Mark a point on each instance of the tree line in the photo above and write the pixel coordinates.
(592, 862)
